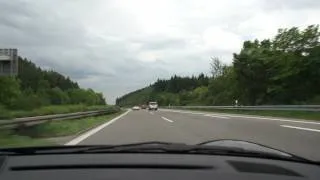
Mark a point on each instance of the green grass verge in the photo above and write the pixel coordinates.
(34, 135)
(47, 110)
(65, 127)
(8, 138)
(309, 115)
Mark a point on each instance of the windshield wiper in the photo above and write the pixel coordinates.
(68, 149)
(152, 147)
(172, 148)
(176, 148)
(136, 147)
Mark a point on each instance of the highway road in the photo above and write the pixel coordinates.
(294, 136)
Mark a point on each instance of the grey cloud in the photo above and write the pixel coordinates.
(20, 8)
(161, 43)
(132, 77)
(29, 25)
(73, 71)
(99, 44)
(290, 4)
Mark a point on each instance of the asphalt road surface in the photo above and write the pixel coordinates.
(297, 137)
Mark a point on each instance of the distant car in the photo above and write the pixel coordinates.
(135, 108)
(143, 106)
(153, 106)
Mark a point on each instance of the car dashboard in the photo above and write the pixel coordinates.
(150, 166)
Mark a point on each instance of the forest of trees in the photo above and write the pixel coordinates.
(281, 70)
(34, 87)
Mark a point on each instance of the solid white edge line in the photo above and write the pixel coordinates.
(209, 115)
(94, 130)
(301, 128)
(249, 117)
(166, 119)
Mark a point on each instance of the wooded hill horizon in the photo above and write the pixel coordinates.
(34, 87)
(281, 70)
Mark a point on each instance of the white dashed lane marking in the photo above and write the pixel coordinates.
(246, 117)
(215, 116)
(85, 135)
(301, 128)
(164, 118)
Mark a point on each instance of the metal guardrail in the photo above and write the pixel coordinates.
(41, 119)
(262, 107)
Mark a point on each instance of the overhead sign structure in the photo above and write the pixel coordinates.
(8, 62)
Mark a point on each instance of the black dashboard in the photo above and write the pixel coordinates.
(150, 166)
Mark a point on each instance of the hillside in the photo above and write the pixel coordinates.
(34, 87)
(137, 97)
(282, 70)
(175, 91)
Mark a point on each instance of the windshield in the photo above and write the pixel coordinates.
(113, 72)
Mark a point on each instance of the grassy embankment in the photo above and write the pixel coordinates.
(34, 135)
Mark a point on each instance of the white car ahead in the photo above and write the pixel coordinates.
(135, 108)
(153, 106)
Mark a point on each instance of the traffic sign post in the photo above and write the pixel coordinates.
(8, 62)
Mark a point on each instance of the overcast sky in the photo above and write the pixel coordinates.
(116, 46)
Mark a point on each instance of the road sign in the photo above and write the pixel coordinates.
(8, 62)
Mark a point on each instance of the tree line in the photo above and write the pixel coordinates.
(34, 87)
(281, 70)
